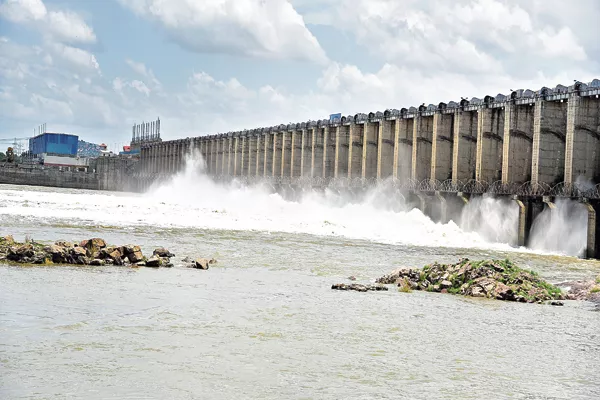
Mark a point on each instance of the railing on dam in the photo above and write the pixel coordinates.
(471, 187)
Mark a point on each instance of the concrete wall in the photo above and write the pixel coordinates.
(277, 153)
(245, 156)
(286, 153)
(403, 151)
(237, 165)
(306, 166)
(252, 155)
(260, 155)
(297, 140)
(355, 150)
(318, 144)
(51, 177)
(518, 143)
(342, 145)
(442, 145)
(268, 154)
(385, 149)
(329, 152)
(464, 146)
(421, 151)
(229, 156)
(369, 149)
(582, 158)
(490, 132)
(111, 173)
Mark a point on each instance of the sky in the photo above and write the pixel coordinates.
(95, 67)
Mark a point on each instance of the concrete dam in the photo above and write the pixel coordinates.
(530, 147)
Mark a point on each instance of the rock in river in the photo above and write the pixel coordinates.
(162, 252)
(155, 261)
(200, 263)
(358, 287)
(87, 252)
(496, 279)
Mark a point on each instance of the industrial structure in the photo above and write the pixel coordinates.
(142, 134)
(61, 160)
(529, 146)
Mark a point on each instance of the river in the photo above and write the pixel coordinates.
(263, 323)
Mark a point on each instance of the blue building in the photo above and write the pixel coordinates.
(54, 143)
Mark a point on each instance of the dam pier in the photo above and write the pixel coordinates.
(529, 147)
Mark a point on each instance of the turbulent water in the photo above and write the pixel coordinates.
(263, 322)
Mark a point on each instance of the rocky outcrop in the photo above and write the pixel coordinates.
(156, 261)
(202, 263)
(359, 287)
(93, 251)
(496, 279)
(162, 252)
(582, 290)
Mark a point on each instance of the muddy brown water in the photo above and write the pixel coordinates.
(263, 323)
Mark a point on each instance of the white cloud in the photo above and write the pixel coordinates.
(255, 28)
(119, 85)
(23, 10)
(140, 87)
(519, 38)
(424, 52)
(47, 105)
(561, 44)
(61, 31)
(79, 58)
(69, 27)
(141, 69)
(61, 26)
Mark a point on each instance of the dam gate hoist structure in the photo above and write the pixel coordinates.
(531, 147)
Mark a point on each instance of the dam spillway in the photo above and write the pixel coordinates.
(532, 147)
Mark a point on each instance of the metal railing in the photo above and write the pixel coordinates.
(428, 186)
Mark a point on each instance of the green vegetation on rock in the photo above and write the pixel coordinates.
(498, 279)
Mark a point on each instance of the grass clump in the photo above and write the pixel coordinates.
(404, 286)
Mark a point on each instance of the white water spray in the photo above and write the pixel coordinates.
(496, 220)
(192, 200)
(562, 229)
(379, 215)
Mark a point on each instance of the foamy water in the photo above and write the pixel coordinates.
(192, 200)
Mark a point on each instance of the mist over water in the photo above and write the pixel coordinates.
(496, 220)
(562, 229)
(379, 214)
